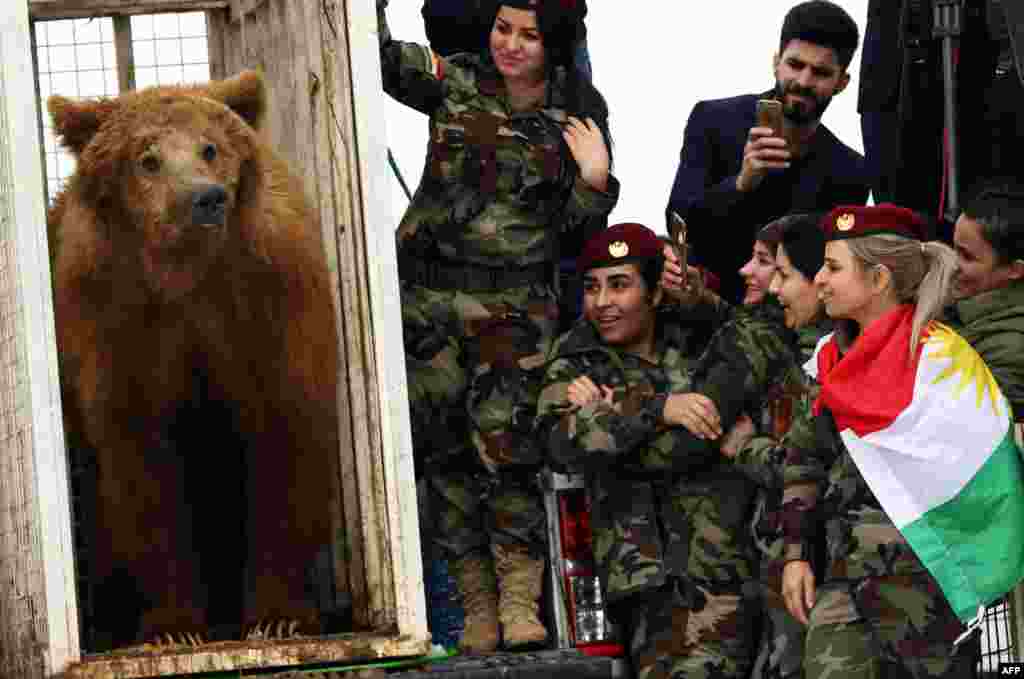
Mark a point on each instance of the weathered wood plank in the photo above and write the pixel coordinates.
(242, 8)
(39, 634)
(215, 27)
(239, 656)
(123, 53)
(363, 98)
(72, 9)
(364, 473)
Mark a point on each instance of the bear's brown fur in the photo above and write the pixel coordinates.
(182, 245)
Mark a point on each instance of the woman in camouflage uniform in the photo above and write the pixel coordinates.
(669, 514)
(753, 447)
(878, 612)
(518, 157)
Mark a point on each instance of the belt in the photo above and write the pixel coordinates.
(444, 275)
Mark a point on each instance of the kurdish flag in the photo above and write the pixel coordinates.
(933, 438)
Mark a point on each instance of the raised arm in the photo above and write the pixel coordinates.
(413, 74)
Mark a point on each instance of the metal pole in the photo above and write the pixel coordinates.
(948, 26)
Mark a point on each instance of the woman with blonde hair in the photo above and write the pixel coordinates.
(913, 476)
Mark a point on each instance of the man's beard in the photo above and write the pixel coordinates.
(800, 113)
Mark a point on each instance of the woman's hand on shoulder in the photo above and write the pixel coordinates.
(588, 147)
(696, 412)
(582, 391)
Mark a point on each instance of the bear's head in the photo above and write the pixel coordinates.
(166, 170)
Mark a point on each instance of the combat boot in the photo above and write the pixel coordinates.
(474, 573)
(519, 588)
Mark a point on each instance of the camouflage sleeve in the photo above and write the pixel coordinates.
(573, 434)
(762, 459)
(412, 74)
(743, 359)
(807, 457)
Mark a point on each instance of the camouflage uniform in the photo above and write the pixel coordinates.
(476, 249)
(780, 655)
(878, 612)
(668, 511)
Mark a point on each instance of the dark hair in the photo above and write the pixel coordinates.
(822, 23)
(651, 270)
(999, 208)
(561, 27)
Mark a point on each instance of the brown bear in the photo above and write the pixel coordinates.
(183, 245)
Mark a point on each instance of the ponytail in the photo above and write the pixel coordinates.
(922, 274)
(933, 291)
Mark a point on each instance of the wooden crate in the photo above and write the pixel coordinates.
(322, 67)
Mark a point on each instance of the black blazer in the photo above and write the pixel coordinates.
(722, 221)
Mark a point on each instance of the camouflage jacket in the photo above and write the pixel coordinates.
(498, 186)
(783, 419)
(993, 323)
(663, 503)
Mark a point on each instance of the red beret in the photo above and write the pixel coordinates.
(619, 244)
(854, 221)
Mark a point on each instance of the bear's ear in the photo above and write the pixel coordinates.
(75, 122)
(245, 94)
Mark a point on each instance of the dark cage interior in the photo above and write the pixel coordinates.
(203, 436)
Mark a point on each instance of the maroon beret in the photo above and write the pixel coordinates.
(619, 244)
(854, 221)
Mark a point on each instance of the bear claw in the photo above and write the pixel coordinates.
(274, 629)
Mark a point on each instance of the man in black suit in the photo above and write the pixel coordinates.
(735, 177)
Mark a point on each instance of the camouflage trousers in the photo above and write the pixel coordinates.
(684, 631)
(473, 361)
(892, 627)
(780, 651)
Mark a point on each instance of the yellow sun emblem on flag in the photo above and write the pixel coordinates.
(964, 361)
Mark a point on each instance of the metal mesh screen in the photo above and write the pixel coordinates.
(76, 59)
(170, 49)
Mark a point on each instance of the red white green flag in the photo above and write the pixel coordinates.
(933, 437)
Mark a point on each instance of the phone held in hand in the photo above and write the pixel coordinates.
(769, 114)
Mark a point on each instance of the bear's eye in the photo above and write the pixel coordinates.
(209, 153)
(150, 163)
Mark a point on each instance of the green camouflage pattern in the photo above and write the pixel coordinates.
(498, 190)
(687, 631)
(615, 445)
(667, 510)
(498, 186)
(901, 631)
(467, 357)
(993, 323)
(780, 654)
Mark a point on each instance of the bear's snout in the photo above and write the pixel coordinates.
(209, 205)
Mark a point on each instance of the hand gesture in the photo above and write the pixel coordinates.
(762, 152)
(696, 412)
(587, 145)
(737, 437)
(798, 589)
(582, 391)
(687, 293)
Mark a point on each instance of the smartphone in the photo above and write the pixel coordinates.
(677, 232)
(769, 114)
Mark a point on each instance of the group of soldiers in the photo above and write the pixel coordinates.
(677, 402)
